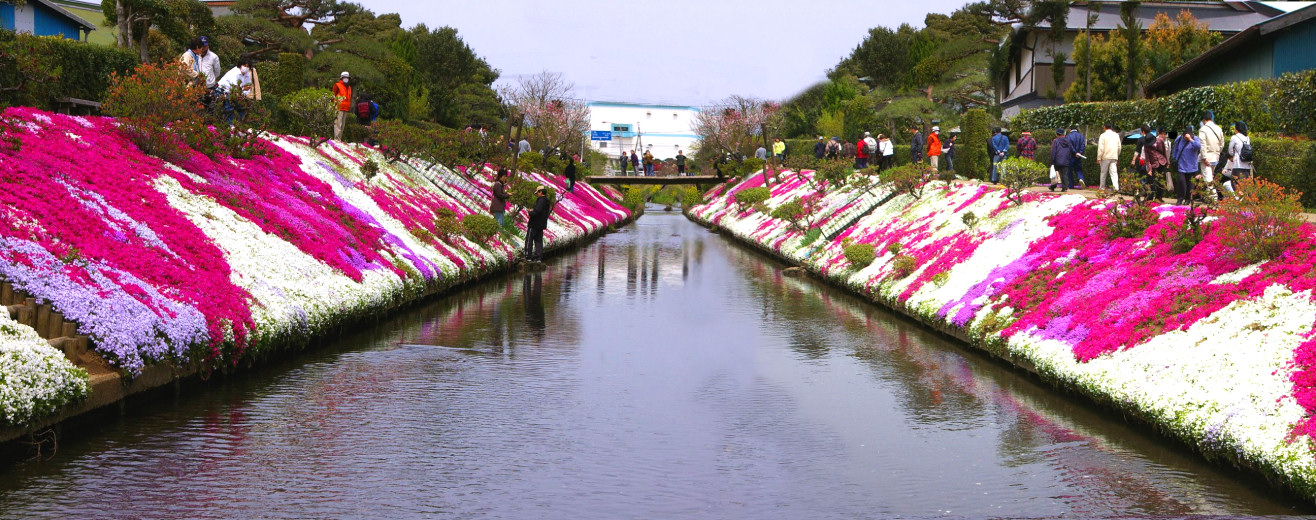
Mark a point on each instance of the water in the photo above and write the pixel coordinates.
(661, 372)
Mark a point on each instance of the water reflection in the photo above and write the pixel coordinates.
(693, 380)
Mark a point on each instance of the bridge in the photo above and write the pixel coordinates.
(664, 181)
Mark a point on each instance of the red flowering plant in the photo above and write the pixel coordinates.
(153, 105)
(1260, 221)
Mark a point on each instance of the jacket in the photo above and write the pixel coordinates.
(886, 148)
(999, 144)
(1153, 151)
(861, 150)
(570, 172)
(1027, 147)
(1236, 151)
(1077, 143)
(1061, 153)
(819, 149)
(916, 146)
(1212, 139)
(934, 145)
(343, 95)
(498, 203)
(539, 215)
(1188, 153)
(779, 147)
(761, 153)
(1108, 146)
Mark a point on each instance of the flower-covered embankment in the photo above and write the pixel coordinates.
(213, 259)
(35, 379)
(1218, 354)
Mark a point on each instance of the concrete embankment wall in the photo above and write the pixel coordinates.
(122, 272)
(1197, 346)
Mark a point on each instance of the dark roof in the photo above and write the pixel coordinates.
(83, 24)
(1227, 17)
(1269, 26)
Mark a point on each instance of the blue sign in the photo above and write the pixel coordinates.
(600, 135)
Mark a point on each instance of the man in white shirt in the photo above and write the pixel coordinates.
(1108, 156)
(1212, 138)
(235, 85)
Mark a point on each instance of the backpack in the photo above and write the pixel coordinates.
(1245, 153)
(363, 110)
(1175, 148)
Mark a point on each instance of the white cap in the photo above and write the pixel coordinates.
(344, 75)
(936, 129)
(866, 133)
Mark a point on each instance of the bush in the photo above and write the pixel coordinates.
(68, 68)
(799, 211)
(369, 169)
(479, 228)
(530, 162)
(748, 197)
(692, 197)
(812, 236)
(400, 140)
(1129, 218)
(1201, 203)
(969, 219)
(909, 179)
(290, 75)
(903, 266)
(971, 159)
(633, 199)
(893, 248)
(1261, 221)
(1019, 174)
(155, 103)
(446, 225)
(860, 255)
(832, 173)
(790, 211)
(750, 166)
(311, 113)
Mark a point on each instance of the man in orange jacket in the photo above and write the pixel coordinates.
(343, 97)
(934, 147)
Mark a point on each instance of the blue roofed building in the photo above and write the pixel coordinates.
(43, 18)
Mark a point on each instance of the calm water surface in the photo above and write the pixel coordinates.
(661, 372)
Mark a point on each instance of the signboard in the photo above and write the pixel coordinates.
(600, 135)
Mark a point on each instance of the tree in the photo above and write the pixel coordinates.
(1131, 27)
(1170, 43)
(458, 83)
(176, 19)
(732, 126)
(547, 107)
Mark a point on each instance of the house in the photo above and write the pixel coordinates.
(1028, 82)
(662, 129)
(43, 18)
(91, 12)
(220, 7)
(1266, 50)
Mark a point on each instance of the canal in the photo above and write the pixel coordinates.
(660, 372)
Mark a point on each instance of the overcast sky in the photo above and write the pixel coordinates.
(685, 52)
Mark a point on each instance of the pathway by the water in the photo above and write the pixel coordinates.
(660, 372)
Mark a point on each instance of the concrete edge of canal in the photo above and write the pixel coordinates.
(113, 392)
(1221, 454)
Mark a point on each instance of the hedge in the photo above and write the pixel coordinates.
(971, 157)
(1283, 105)
(84, 69)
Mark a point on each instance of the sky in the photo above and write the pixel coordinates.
(679, 52)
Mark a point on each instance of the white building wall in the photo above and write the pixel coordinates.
(662, 129)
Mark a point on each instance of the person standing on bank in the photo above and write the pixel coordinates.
(888, 152)
(635, 162)
(538, 221)
(1062, 157)
(621, 158)
(1187, 152)
(779, 149)
(200, 64)
(1240, 155)
(1026, 146)
(819, 148)
(498, 202)
(571, 175)
(1078, 145)
(948, 150)
(999, 146)
(1108, 156)
(343, 96)
(680, 163)
(934, 147)
(648, 163)
(916, 146)
(860, 155)
(1212, 139)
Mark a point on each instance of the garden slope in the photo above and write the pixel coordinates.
(203, 262)
(1208, 351)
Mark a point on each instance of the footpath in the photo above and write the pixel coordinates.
(121, 272)
(1205, 350)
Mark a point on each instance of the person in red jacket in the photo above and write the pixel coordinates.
(934, 146)
(860, 154)
(343, 98)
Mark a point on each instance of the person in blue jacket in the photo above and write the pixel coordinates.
(1062, 158)
(1078, 145)
(1187, 154)
(999, 146)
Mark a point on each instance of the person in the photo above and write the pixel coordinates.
(1149, 160)
(887, 150)
(1240, 155)
(1160, 159)
(1212, 139)
(635, 161)
(860, 155)
(571, 174)
(761, 153)
(498, 202)
(621, 158)
(343, 96)
(1108, 156)
(648, 163)
(233, 88)
(847, 150)
(1078, 146)
(523, 146)
(834, 148)
(819, 148)
(1062, 157)
(199, 64)
(916, 146)
(998, 145)
(680, 163)
(948, 151)
(717, 164)
(538, 221)
(870, 148)
(367, 111)
(1026, 146)
(1187, 154)
(934, 147)
(779, 149)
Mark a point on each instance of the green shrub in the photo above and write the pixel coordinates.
(969, 219)
(909, 179)
(750, 166)
(311, 113)
(832, 173)
(1261, 221)
(971, 158)
(812, 236)
(633, 199)
(446, 225)
(400, 140)
(790, 211)
(530, 162)
(1018, 174)
(422, 235)
(291, 74)
(692, 197)
(479, 228)
(369, 169)
(748, 197)
(1129, 218)
(893, 248)
(903, 266)
(67, 68)
(860, 255)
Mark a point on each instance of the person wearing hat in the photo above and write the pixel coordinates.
(870, 146)
(1212, 139)
(934, 147)
(1026, 146)
(1186, 155)
(343, 98)
(200, 64)
(998, 145)
(820, 148)
(538, 221)
(1062, 159)
(916, 145)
